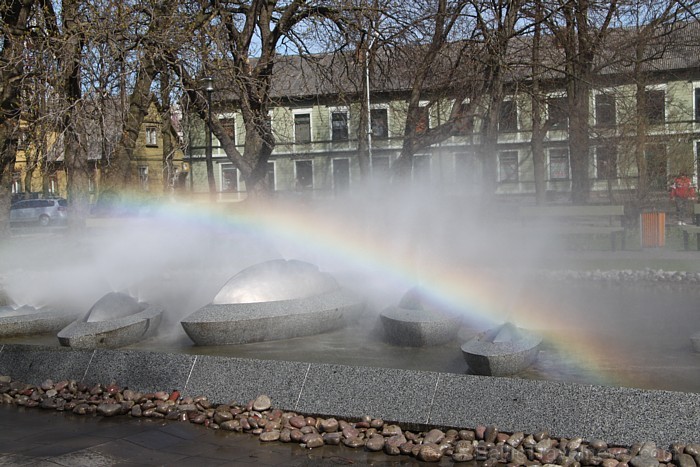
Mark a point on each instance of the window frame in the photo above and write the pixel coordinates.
(337, 188)
(502, 176)
(600, 174)
(378, 108)
(512, 127)
(298, 113)
(151, 136)
(649, 90)
(228, 122)
(339, 110)
(563, 153)
(422, 167)
(225, 168)
(143, 177)
(613, 105)
(561, 124)
(297, 183)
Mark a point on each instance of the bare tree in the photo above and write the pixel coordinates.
(244, 38)
(14, 16)
(580, 27)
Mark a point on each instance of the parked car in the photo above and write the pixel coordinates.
(41, 211)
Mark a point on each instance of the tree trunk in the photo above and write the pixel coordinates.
(117, 173)
(579, 142)
(75, 156)
(14, 17)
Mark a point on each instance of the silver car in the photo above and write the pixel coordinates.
(41, 211)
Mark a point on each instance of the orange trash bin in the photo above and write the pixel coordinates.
(653, 229)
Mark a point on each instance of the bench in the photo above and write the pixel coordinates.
(578, 220)
(695, 229)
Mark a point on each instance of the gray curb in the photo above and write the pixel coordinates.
(415, 398)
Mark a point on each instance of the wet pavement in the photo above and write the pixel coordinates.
(46, 438)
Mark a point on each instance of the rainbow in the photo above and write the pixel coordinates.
(477, 296)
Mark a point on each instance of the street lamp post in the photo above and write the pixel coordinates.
(209, 88)
(373, 36)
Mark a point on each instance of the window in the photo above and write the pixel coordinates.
(605, 110)
(508, 117)
(304, 175)
(655, 106)
(143, 177)
(508, 166)
(380, 123)
(657, 176)
(302, 128)
(271, 175)
(53, 184)
(558, 112)
(464, 125)
(22, 141)
(339, 125)
(229, 125)
(341, 175)
(559, 164)
(421, 168)
(697, 104)
(92, 180)
(606, 162)
(380, 167)
(229, 178)
(423, 121)
(464, 120)
(151, 136)
(467, 172)
(16, 182)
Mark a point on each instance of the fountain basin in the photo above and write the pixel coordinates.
(27, 320)
(132, 322)
(503, 351)
(242, 323)
(418, 327)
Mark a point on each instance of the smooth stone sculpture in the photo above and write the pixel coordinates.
(274, 300)
(115, 320)
(501, 351)
(416, 322)
(27, 320)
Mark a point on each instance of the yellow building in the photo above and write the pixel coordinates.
(156, 165)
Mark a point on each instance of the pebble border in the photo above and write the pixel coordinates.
(485, 445)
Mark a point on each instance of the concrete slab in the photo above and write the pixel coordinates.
(147, 371)
(510, 404)
(390, 394)
(34, 364)
(224, 379)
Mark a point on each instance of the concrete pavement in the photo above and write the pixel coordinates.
(44, 438)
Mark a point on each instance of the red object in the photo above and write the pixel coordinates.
(174, 396)
(682, 188)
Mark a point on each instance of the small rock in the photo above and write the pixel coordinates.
(375, 443)
(429, 453)
(262, 403)
(107, 409)
(269, 436)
